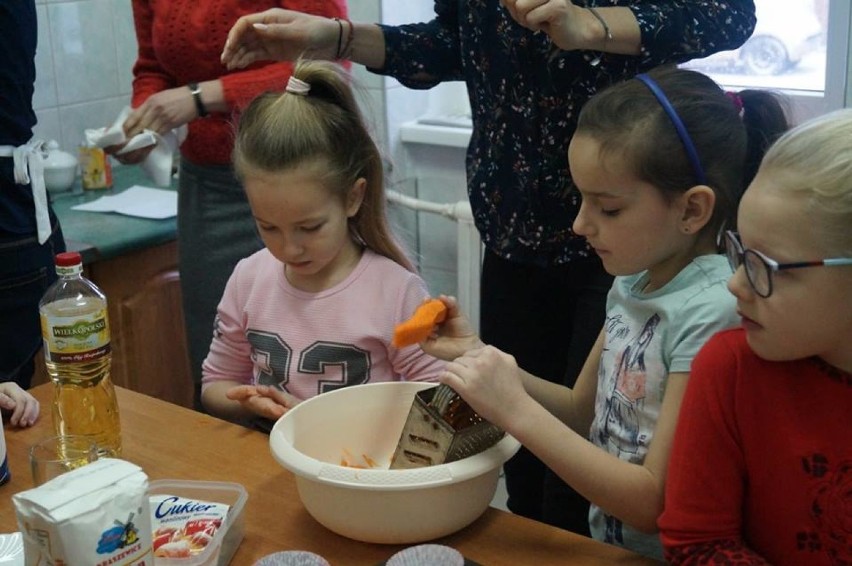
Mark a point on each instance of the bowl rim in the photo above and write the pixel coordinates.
(382, 479)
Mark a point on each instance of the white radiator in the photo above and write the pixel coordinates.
(468, 248)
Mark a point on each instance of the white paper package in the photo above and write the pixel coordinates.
(96, 515)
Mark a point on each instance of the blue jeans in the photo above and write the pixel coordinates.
(26, 271)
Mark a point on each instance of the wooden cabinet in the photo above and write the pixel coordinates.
(146, 318)
(149, 352)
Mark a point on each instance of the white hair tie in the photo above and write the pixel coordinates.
(298, 86)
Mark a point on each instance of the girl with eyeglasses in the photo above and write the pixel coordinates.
(660, 162)
(761, 466)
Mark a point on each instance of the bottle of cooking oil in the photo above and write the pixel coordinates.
(75, 328)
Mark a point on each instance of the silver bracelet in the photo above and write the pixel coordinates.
(607, 34)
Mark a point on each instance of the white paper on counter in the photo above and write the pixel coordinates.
(143, 202)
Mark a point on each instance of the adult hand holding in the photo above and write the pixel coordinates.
(613, 29)
(131, 157)
(281, 35)
(161, 113)
(490, 381)
(567, 24)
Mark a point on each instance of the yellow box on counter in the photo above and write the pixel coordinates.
(95, 168)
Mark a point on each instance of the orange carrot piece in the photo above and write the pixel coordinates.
(417, 328)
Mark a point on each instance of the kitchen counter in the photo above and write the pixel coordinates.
(105, 235)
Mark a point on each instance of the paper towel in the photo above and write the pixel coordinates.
(158, 164)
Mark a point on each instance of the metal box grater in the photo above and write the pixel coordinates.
(441, 428)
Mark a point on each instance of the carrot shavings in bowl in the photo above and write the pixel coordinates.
(348, 461)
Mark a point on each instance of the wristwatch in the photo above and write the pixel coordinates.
(196, 96)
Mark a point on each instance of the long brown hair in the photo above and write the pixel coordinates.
(323, 129)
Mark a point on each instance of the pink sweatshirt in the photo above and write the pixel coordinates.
(268, 332)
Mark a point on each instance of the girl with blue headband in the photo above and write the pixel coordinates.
(660, 162)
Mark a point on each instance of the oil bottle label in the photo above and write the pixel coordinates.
(76, 339)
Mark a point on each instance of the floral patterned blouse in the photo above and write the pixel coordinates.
(525, 97)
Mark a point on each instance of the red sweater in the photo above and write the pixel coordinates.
(180, 42)
(761, 466)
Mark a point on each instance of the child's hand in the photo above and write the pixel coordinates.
(263, 400)
(490, 381)
(454, 336)
(24, 408)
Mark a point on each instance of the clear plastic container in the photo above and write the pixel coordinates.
(228, 537)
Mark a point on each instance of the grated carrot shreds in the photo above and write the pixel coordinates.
(348, 461)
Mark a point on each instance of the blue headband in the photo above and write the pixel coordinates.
(691, 152)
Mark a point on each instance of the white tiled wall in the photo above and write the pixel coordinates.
(86, 50)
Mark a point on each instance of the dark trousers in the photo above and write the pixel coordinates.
(216, 230)
(548, 318)
(26, 271)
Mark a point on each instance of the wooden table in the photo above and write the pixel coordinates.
(171, 442)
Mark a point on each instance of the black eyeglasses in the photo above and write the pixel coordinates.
(759, 268)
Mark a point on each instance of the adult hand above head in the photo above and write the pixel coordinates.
(562, 20)
(490, 381)
(453, 337)
(263, 400)
(22, 407)
(280, 35)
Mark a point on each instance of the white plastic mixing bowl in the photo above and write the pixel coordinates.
(377, 504)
